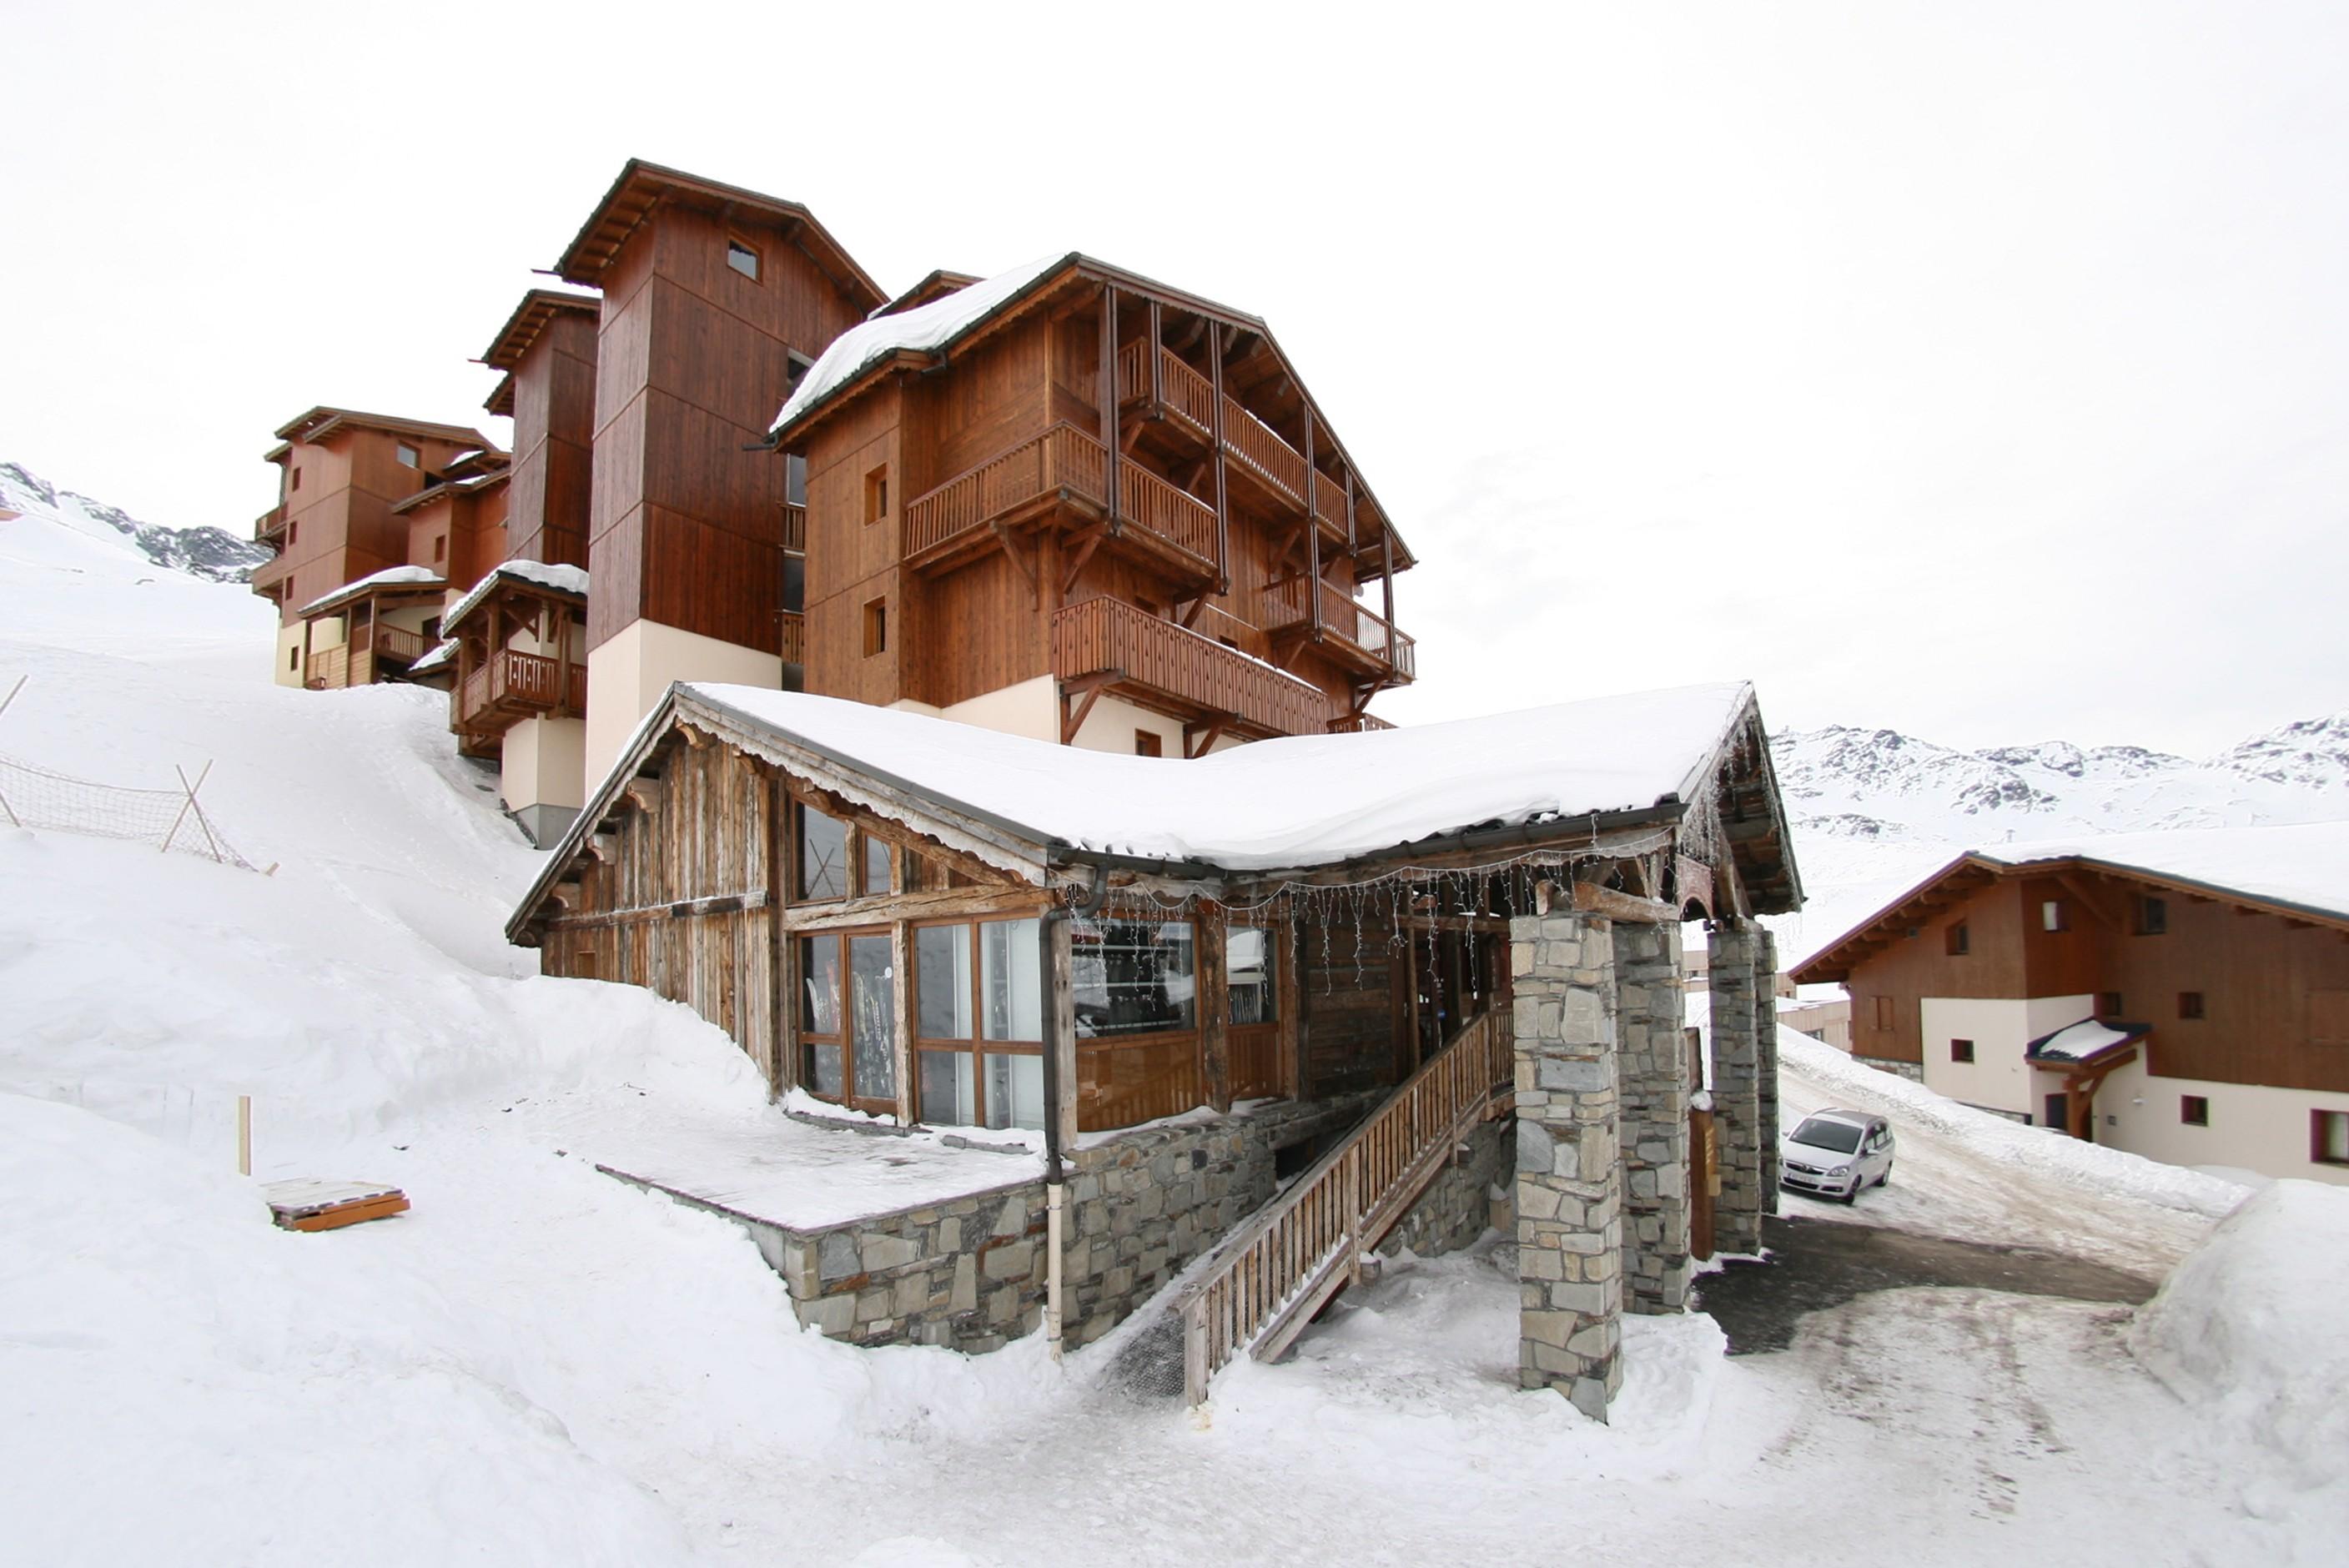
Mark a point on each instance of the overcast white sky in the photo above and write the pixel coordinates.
(1979, 370)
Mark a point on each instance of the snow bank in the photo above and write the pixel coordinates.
(2035, 1151)
(187, 1384)
(2249, 1331)
(1293, 801)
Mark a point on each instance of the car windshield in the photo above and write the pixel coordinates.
(1841, 1135)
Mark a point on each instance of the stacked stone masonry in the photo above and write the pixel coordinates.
(1570, 1163)
(1765, 1086)
(970, 1273)
(1652, 1061)
(1737, 1008)
(1471, 1196)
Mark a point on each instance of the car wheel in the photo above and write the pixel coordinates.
(1885, 1179)
(1853, 1196)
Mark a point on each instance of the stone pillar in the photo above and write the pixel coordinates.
(1736, 1089)
(1654, 1069)
(1569, 1160)
(1765, 1055)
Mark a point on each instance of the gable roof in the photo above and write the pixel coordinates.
(568, 584)
(538, 307)
(319, 423)
(399, 581)
(642, 186)
(935, 285)
(925, 336)
(1561, 776)
(2300, 871)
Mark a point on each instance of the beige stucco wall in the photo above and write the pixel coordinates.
(544, 763)
(627, 676)
(2252, 1127)
(287, 670)
(1997, 1078)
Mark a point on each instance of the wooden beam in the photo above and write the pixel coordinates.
(1213, 988)
(1592, 898)
(1215, 451)
(931, 903)
(1087, 543)
(1109, 399)
(1207, 734)
(1087, 689)
(1026, 566)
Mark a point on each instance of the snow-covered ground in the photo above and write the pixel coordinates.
(540, 1363)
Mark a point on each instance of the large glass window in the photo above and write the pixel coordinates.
(1131, 977)
(823, 855)
(1249, 966)
(848, 1019)
(980, 1030)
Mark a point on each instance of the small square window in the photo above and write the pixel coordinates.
(1146, 743)
(1961, 1050)
(293, 659)
(2189, 1004)
(2108, 1005)
(2194, 1110)
(2053, 916)
(795, 366)
(2328, 1137)
(876, 494)
(2152, 917)
(1958, 940)
(293, 532)
(439, 547)
(742, 259)
(297, 479)
(408, 456)
(876, 627)
(1883, 1012)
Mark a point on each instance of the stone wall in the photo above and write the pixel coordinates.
(1470, 1197)
(970, 1273)
(1765, 1060)
(1570, 1159)
(1737, 1006)
(1913, 1071)
(1652, 1062)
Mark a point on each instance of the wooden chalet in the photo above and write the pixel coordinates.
(342, 472)
(547, 352)
(2182, 994)
(974, 551)
(714, 300)
(935, 924)
(373, 630)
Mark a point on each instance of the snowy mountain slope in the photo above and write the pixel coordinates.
(1874, 810)
(212, 553)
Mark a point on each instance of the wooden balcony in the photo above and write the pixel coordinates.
(795, 529)
(394, 642)
(512, 686)
(1350, 630)
(269, 528)
(1357, 723)
(1257, 455)
(1168, 667)
(1063, 466)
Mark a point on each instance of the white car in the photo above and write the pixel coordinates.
(1835, 1153)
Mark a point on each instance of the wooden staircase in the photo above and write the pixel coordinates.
(1270, 1277)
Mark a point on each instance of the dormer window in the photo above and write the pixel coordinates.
(742, 259)
(408, 456)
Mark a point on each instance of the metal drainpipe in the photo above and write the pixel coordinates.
(1056, 1188)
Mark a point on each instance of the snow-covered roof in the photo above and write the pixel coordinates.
(2304, 864)
(443, 653)
(2083, 1041)
(390, 577)
(1290, 801)
(537, 574)
(922, 329)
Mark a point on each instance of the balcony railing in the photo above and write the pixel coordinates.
(1191, 397)
(389, 642)
(269, 526)
(1357, 723)
(1062, 458)
(1096, 635)
(1284, 605)
(795, 527)
(327, 669)
(514, 685)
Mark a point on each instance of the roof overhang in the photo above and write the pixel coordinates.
(319, 423)
(530, 318)
(2085, 1045)
(643, 186)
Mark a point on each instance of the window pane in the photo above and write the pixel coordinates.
(942, 970)
(1008, 980)
(873, 1017)
(1132, 976)
(1248, 960)
(824, 856)
(876, 867)
(742, 259)
(822, 1070)
(819, 985)
(1014, 1090)
(945, 1089)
